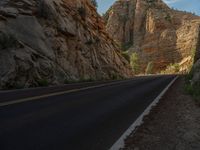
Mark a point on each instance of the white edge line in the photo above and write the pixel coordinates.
(120, 142)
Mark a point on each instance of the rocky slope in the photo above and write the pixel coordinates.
(55, 40)
(157, 33)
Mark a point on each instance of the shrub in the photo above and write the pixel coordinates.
(43, 82)
(168, 18)
(82, 12)
(126, 55)
(10, 86)
(151, 2)
(115, 76)
(94, 2)
(176, 68)
(126, 46)
(70, 81)
(19, 86)
(134, 62)
(172, 68)
(83, 79)
(149, 69)
(189, 77)
(89, 42)
(67, 81)
(193, 90)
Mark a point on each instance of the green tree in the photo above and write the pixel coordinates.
(94, 2)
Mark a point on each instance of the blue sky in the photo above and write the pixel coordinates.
(187, 5)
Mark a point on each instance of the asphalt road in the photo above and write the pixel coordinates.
(89, 119)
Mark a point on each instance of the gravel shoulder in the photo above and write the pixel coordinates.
(174, 124)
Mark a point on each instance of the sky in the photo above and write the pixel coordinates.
(185, 5)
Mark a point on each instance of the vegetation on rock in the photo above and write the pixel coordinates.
(171, 69)
(94, 2)
(134, 62)
(149, 69)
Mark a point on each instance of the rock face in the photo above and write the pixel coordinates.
(157, 33)
(55, 40)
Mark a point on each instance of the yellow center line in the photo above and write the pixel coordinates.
(52, 94)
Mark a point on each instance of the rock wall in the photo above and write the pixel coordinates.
(157, 33)
(55, 40)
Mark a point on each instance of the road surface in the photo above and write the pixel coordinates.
(88, 119)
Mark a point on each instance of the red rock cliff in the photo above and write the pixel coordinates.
(157, 33)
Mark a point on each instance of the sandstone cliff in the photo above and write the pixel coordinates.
(55, 40)
(157, 33)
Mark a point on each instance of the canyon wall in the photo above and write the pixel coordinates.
(55, 41)
(158, 34)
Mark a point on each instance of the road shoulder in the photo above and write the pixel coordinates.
(174, 124)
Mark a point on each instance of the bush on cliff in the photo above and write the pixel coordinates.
(134, 62)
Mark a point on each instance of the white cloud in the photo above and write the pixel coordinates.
(171, 1)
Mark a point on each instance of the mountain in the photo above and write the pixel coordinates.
(53, 41)
(159, 35)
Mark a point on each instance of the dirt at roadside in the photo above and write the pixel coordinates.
(174, 124)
